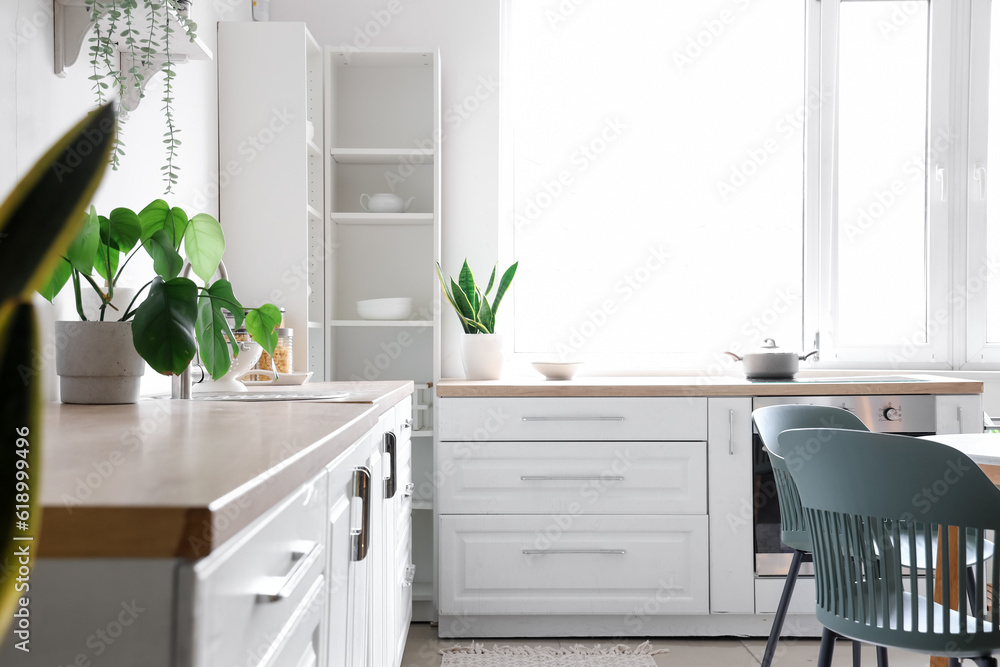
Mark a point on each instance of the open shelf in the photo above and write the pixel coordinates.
(414, 156)
(353, 218)
(381, 323)
(423, 591)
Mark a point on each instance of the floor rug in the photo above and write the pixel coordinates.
(618, 655)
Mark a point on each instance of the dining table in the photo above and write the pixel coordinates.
(984, 450)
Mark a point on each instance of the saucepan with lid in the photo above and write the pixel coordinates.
(770, 362)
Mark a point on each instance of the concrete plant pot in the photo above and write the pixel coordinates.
(97, 363)
(482, 356)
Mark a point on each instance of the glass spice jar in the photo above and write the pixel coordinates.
(283, 362)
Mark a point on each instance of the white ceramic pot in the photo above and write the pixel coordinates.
(482, 356)
(97, 363)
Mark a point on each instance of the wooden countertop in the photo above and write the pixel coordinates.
(168, 478)
(708, 386)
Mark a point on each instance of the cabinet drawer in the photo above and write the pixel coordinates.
(646, 418)
(573, 477)
(250, 590)
(574, 565)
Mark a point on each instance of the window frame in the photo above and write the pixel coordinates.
(958, 89)
(821, 197)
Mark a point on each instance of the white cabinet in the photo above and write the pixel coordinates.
(730, 506)
(271, 181)
(572, 477)
(262, 593)
(573, 564)
(382, 134)
(350, 537)
(584, 515)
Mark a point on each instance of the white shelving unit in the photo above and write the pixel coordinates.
(382, 122)
(298, 237)
(272, 203)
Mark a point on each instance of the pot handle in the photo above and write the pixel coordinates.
(734, 356)
(806, 356)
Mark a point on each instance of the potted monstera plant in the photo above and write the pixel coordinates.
(165, 322)
(482, 351)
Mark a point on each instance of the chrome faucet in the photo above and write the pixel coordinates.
(180, 385)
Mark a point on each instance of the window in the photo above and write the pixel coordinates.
(878, 256)
(657, 177)
(688, 178)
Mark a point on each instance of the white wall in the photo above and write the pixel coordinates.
(36, 107)
(467, 32)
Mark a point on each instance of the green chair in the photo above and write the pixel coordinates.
(771, 421)
(872, 501)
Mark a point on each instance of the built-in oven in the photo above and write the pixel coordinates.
(905, 415)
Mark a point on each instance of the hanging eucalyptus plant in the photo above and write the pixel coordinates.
(143, 32)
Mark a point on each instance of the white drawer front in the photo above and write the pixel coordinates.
(572, 478)
(231, 613)
(479, 419)
(588, 565)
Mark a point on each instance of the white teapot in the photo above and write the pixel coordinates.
(385, 202)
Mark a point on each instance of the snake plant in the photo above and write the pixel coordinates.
(471, 304)
(38, 222)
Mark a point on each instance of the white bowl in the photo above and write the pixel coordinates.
(385, 309)
(557, 370)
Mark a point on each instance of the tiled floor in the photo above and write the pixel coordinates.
(423, 644)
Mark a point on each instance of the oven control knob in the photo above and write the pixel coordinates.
(891, 414)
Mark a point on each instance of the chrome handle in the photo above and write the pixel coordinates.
(572, 419)
(411, 572)
(571, 478)
(731, 413)
(979, 173)
(275, 589)
(408, 490)
(941, 176)
(389, 438)
(960, 430)
(363, 490)
(540, 552)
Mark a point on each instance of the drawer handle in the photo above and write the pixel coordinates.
(408, 490)
(572, 478)
(389, 440)
(362, 490)
(572, 419)
(542, 552)
(275, 589)
(411, 572)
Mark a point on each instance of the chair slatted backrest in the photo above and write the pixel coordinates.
(864, 494)
(771, 421)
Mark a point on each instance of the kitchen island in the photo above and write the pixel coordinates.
(635, 506)
(206, 532)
